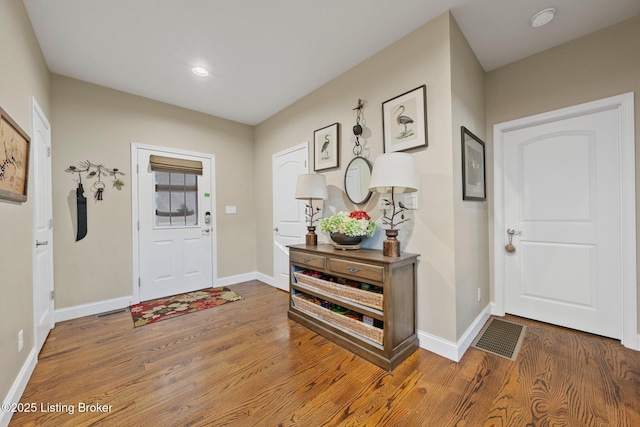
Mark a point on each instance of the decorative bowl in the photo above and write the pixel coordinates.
(343, 239)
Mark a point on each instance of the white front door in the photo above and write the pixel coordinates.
(43, 302)
(562, 189)
(288, 213)
(176, 227)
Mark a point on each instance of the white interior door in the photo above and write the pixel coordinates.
(176, 227)
(288, 213)
(562, 205)
(43, 302)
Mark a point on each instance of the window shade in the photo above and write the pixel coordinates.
(170, 164)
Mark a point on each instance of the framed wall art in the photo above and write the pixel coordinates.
(404, 121)
(326, 143)
(14, 159)
(473, 171)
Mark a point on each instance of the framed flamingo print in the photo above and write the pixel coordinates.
(404, 121)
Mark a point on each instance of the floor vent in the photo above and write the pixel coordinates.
(111, 313)
(501, 338)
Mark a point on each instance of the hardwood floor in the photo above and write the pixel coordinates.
(246, 364)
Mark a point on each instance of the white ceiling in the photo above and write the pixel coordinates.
(265, 54)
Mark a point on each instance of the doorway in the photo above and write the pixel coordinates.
(173, 205)
(289, 225)
(43, 286)
(565, 198)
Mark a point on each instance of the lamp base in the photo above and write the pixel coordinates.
(311, 237)
(391, 246)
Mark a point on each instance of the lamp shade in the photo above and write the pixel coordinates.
(312, 186)
(395, 172)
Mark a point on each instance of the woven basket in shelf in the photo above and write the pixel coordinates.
(370, 332)
(370, 299)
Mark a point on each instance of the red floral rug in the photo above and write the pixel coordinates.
(165, 308)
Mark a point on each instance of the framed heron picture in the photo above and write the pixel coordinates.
(473, 173)
(326, 147)
(404, 121)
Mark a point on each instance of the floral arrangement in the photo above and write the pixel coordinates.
(356, 223)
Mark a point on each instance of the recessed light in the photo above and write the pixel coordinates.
(543, 17)
(200, 71)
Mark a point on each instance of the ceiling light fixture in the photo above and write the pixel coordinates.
(543, 17)
(200, 71)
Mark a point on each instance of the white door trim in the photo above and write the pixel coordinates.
(135, 147)
(624, 104)
(36, 110)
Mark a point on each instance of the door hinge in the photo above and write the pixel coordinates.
(138, 225)
(139, 282)
(137, 168)
(50, 223)
(48, 151)
(53, 294)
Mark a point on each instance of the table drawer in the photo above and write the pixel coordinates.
(363, 271)
(314, 261)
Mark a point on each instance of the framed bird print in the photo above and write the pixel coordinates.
(326, 147)
(473, 173)
(404, 121)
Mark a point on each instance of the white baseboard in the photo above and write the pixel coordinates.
(15, 393)
(269, 280)
(240, 278)
(449, 349)
(90, 309)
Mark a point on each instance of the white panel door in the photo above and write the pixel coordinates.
(288, 213)
(42, 227)
(562, 204)
(176, 226)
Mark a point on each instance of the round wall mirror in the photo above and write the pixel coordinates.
(356, 180)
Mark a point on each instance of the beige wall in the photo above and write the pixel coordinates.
(94, 123)
(598, 65)
(423, 57)
(471, 222)
(22, 75)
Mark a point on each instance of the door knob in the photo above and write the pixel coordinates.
(276, 229)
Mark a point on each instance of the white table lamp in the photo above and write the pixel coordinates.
(394, 173)
(311, 187)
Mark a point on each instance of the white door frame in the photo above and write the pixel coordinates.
(135, 147)
(37, 111)
(302, 146)
(624, 104)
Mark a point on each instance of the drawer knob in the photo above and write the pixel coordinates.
(354, 270)
(303, 259)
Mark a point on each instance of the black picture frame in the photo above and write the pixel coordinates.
(474, 185)
(326, 147)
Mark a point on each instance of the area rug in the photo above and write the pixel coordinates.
(177, 305)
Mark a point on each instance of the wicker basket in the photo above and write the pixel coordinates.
(370, 332)
(370, 299)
